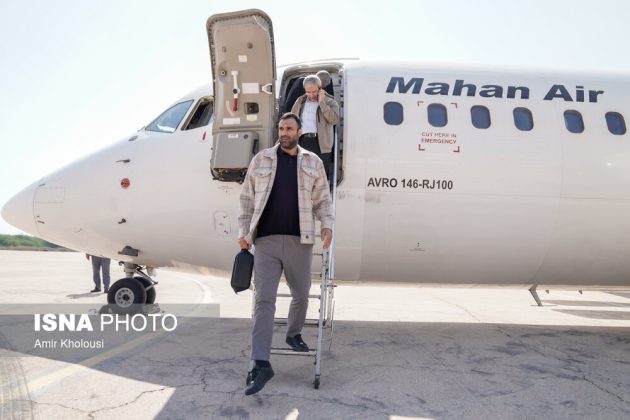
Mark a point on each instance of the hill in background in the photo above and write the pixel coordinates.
(28, 243)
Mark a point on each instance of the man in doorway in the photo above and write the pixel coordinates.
(326, 80)
(284, 190)
(296, 89)
(99, 264)
(319, 113)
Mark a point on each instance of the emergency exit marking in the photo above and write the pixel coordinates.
(125, 183)
(438, 137)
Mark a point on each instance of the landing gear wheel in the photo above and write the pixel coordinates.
(125, 295)
(316, 382)
(150, 292)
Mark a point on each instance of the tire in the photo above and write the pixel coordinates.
(150, 292)
(126, 296)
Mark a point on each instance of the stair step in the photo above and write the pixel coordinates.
(288, 351)
(314, 275)
(308, 323)
(289, 295)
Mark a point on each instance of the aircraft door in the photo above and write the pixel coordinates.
(243, 75)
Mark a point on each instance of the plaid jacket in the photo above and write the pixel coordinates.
(313, 193)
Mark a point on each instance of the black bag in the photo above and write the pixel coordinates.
(242, 271)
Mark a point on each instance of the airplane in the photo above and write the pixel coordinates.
(446, 175)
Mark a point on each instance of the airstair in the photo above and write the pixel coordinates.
(325, 297)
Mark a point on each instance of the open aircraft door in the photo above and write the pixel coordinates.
(243, 74)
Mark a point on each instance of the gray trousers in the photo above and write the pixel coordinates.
(100, 264)
(312, 145)
(274, 254)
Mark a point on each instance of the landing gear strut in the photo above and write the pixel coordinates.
(534, 293)
(131, 293)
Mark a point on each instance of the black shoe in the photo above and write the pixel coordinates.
(257, 379)
(96, 289)
(106, 290)
(297, 344)
(250, 378)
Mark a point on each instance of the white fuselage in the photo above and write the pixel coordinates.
(421, 204)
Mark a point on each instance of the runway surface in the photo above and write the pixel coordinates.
(397, 352)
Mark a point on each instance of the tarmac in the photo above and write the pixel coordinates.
(397, 352)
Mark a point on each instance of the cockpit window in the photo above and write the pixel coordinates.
(168, 121)
(201, 115)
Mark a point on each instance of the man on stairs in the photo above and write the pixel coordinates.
(284, 190)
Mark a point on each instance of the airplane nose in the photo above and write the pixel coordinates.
(18, 211)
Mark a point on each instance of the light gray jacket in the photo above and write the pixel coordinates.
(327, 117)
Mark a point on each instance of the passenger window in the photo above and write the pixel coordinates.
(393, 113)
(573, 121)
(201, 116)
(437, 115)
(616, 123)
(480, 116)
(523, 119)
(168, 121)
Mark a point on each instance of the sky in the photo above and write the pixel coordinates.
(78, 75)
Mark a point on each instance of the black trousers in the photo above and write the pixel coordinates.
(312, 145)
